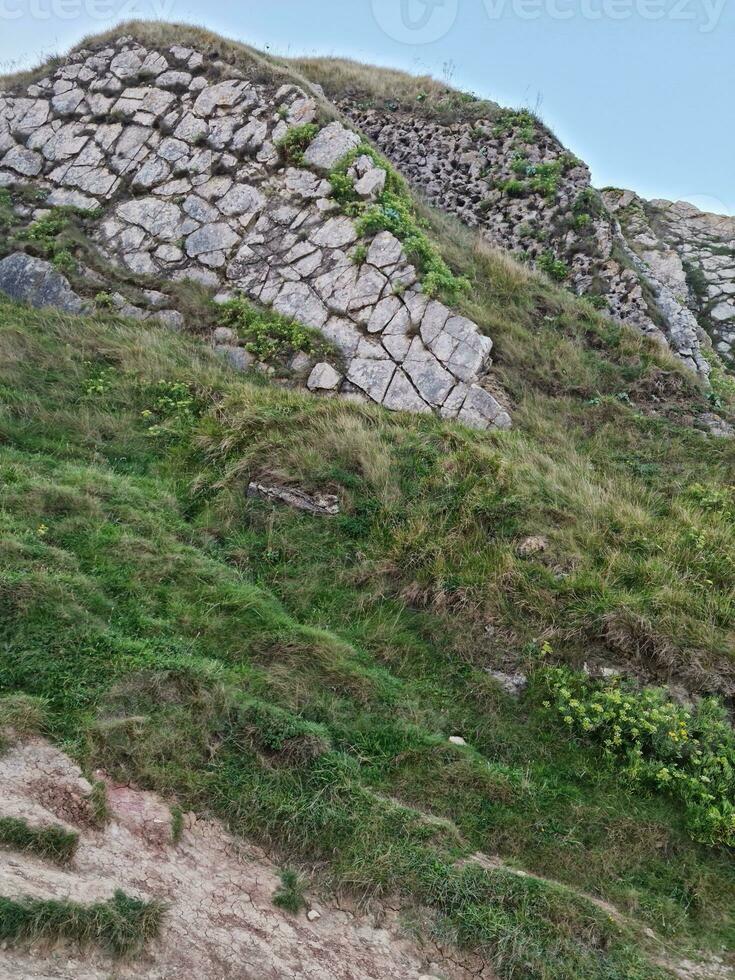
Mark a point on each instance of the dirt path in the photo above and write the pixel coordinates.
(221, 921)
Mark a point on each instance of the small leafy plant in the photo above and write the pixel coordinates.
(174, 407)
(554, 268)
(289, 896)
(296, 141)
(269, 335)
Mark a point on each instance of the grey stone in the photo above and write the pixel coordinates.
(152, 100)
(329, 146)
(211, 238)
(67, 103)
(402, 396)
(126, 65)
(385, 250)
(224, 335)
(432, 381)
(342, 334)
(335, 233)
(371, 376)
(162, 219)
(153, 172)
(227, 94)
(30, 280)
(23, 161)
(200, 210)
(306, 185)
(174, 80)
(169, 318)
(241, 199)
(372, 184)
(140, 263)
(481, 410)
(298, 300)
(191, 129)
(60, 198)
(154, 64)
(324, 378)
(237, 357)
(513, 684)
(251, 137)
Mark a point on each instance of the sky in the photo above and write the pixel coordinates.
(642, 90)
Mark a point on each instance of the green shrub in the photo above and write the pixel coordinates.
(343, 188)
(554, 268)
(689, 753)
(545, 178)
(513, 188)
(268, 335)
(296, 141)
(173, 407)
(395, 213)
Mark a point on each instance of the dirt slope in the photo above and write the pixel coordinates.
(221, 921)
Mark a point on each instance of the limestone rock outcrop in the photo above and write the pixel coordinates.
(183, 158)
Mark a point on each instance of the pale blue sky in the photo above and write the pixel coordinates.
(643, 90)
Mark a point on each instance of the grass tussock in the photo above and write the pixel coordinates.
(121, 926)
(53, 843)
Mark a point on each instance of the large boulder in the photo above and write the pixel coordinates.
(36, 282)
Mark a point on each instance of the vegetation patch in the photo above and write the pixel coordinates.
(268, 335)
(395, 211)
(689, 753)
(289, 896)
(296, 142)
(54, 843)
(121, 926)
(300, 679)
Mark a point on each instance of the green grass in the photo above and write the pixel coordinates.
(300, 678)
(289, 896)
(121, 926)
(54, 843)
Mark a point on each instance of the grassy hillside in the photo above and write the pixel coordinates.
(300, 677)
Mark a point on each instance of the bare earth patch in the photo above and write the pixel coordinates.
(221, 921)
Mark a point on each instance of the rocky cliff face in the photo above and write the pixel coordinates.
(510, 177)
(188, 161)
(691, 253)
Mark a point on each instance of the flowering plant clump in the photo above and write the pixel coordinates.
(174, 405)
(688, 752)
